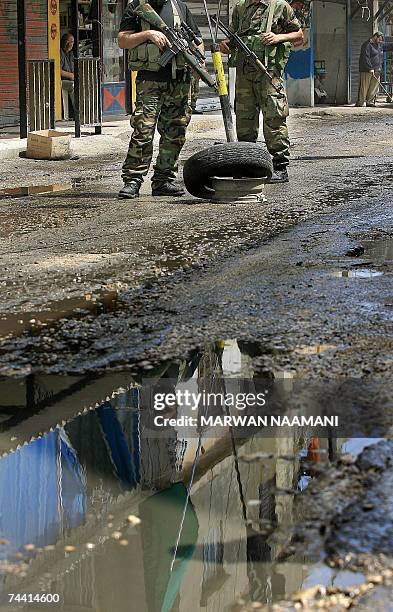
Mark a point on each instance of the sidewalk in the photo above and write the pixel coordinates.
(116, 131)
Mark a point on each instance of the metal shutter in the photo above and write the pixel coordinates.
(9, 109)
(37, 29)
(36, 48)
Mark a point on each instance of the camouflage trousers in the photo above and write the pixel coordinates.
(165, 105)
(254, 93)
(195, 88)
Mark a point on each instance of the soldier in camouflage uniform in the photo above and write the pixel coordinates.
(268, 27)
(195, 90)
(163, 97)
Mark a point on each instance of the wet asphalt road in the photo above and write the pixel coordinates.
(92, 284)
(172, 274)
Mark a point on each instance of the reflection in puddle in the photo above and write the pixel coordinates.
(96, 304)
(27, 190)
(355, 446)
(83, 180)
(380, 251)
(357, 273)
(323, 574)
(316, 349)
(34, 190)
(69, 499)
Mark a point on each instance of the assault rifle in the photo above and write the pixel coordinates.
(179, 40)
(251, 56)
(186, 34)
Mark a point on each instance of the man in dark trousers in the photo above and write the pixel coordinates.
(163, 97)
(370, 63)
(67, 65)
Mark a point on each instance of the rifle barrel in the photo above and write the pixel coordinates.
(195, 39)
(209, 22)
(242, 45)
(218, 17)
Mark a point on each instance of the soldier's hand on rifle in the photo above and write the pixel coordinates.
(159, 39)
(224, 46)
(270, 39)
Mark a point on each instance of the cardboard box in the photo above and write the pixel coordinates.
(48, 144)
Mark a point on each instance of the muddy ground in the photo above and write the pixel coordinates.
(304, 282)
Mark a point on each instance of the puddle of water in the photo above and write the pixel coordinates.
(321, 574)
(380, 251)
(316, 349)
(357, 273)
(28, 190)
(83, 180)
(69, 499)
(326, 157)
(98, 470)
(355, 446)
(346, 578)
(32, 321)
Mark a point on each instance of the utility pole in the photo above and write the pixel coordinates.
(21, 21)
(75, 33)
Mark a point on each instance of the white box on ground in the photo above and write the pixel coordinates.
(48, 144)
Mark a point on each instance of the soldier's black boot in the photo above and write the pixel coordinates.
(131, 189)
(280, 175)
(168, 189)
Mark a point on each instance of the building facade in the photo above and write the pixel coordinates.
(46, 21)
(36, 48)
(333, 33)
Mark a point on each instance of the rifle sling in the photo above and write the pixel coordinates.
(272, 6)
(176, 22)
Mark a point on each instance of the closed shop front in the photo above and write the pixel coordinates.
(36, 49)
(9, 64)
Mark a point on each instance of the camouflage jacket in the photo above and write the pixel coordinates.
(249, 21)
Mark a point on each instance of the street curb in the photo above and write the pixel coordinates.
(116, 133)
(11, 148)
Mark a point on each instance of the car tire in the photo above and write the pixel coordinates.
(230, 159)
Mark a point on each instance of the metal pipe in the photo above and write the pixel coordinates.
(381, 9)
(52, 94)
(386, 14)
(21, 20)
(98, 51)
(218, 17)
(209, 23)
(349, 51)
(75, 33)
(221, 82)
(389, 95)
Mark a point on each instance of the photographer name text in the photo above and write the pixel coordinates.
(243, 420)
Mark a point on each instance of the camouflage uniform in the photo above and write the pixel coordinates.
(165, 105)
(195, 89)
(163, 100)
(254, 92)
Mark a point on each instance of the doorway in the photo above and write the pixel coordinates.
(330, 50)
